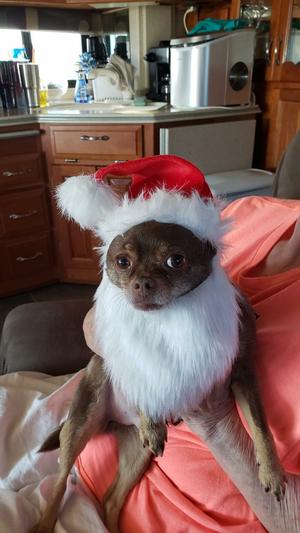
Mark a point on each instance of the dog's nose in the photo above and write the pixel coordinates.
(144, 285)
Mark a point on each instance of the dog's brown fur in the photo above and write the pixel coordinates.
(89, 411)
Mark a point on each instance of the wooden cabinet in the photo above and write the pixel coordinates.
(276, 78)
(89, 2)
(77, 4)
(78, 259)
(81, 149)
(26, 248)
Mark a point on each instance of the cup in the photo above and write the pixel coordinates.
(30, 79)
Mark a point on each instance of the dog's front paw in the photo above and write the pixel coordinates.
(153, 436)
(273, 479)
(111, 515)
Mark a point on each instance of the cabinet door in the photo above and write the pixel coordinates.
(79, 261)
(266, 18)
(278, 40)
(289, 58)
(280, 122)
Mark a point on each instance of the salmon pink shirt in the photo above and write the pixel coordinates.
(186, 491)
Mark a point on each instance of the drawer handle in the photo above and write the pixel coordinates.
(94, 138)
(14, 216)
(7, 173)
(21, 259)
(71, 160)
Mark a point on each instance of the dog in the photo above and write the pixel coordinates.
(170, 326)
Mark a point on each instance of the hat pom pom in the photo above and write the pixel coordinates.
(85, 200)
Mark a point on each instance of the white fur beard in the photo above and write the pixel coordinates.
(165, 362)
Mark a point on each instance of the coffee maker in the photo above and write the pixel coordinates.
(94, 45)
(159, 72)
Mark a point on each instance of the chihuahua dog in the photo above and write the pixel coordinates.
(170, 326)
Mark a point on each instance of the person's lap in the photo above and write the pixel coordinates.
(185, 490)
(186, 486)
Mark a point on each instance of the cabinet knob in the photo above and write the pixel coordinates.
(94, 138)
(14, 216)
(21, 259)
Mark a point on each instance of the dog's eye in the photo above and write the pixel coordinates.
(176, 261)
(123, 262)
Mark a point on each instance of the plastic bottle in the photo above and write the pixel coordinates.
(81, 95)
(43, 94)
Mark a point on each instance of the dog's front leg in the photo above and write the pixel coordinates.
(153, 434)
(134, 460)
(87, 416)
(271, 474)
(245, 388)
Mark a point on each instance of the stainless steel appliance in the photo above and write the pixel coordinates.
(159, 72)
(30, 79)
(212, 69)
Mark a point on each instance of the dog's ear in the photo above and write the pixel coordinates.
(86, 200)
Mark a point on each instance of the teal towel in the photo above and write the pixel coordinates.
(211, 25)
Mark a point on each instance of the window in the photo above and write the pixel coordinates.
(56, 54)
(9, 39)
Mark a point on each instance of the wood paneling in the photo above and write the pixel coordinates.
(217, 10)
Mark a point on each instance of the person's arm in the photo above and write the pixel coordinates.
(218, 424)
(89, 331)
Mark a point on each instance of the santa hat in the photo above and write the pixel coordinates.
(163, 188)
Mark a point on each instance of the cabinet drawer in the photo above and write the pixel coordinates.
(20, 171)
(28, 257)
(15, 141)
(106, 143)
(22, 213)
(61, 172)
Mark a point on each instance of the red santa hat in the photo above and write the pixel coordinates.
(162, 171)
(163, 188)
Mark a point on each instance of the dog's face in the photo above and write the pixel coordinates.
(154, 263)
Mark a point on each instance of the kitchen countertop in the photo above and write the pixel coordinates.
(106, 113)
